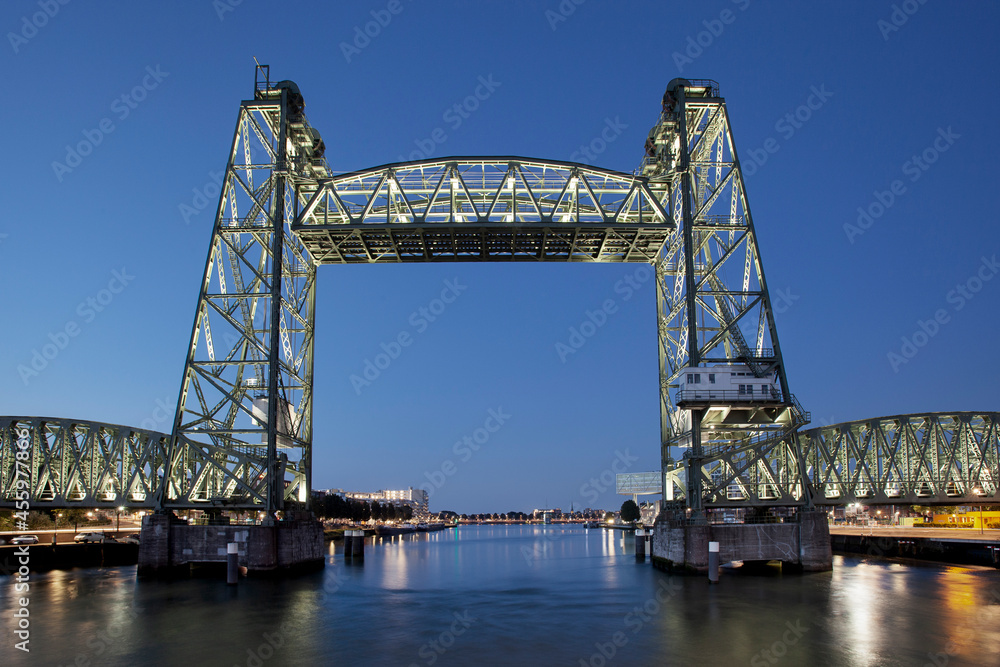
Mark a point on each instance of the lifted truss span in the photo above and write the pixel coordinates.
(484, 209)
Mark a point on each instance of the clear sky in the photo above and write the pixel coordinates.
(897, 80)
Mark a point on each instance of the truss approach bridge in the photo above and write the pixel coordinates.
(730, 427)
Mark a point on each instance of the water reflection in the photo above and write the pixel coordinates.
(529, 595)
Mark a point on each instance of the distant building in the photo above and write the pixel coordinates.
(415, 498)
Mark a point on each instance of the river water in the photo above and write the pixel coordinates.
(517, 595)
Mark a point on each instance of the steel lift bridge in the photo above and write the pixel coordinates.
(242, 433)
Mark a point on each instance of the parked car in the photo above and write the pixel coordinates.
(129, 539)
(25, 539)
(89, 537)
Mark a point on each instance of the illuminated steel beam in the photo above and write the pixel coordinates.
(53, 463)
(950, 458)
(483, 209)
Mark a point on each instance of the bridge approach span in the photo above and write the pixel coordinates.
(933, 458)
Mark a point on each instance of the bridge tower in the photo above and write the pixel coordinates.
(728, 419)
(244, 416)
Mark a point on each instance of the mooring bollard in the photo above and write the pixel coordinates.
(348, 542)
(232, 563)
(713, 562)
(640, 545)
(358, 545)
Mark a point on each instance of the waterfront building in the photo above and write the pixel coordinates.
(417, 499)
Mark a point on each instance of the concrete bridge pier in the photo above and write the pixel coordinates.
(803, 544)
(170, 547)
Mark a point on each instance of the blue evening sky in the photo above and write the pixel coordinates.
(895, 85)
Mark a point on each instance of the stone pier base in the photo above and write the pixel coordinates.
(169, 547)
(803, 544)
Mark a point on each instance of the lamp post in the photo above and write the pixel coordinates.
(979, 491)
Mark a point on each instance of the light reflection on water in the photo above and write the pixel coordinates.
(514, 595)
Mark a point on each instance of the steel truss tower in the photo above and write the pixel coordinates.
(715, 317)
(242, 434)
(244, 416)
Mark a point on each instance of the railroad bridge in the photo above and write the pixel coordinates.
(731, 429)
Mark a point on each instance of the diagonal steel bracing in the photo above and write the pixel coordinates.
(713, 308)
(242, 434)
(50, 463)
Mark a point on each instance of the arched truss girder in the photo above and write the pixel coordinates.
(938, 458)
(948, 458)
(76, 463)
(483, 209)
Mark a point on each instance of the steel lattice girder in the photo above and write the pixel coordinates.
(942, 457)
(483, 209)
(73, 463)
(252, 339)
(947, 458)
(765, 471)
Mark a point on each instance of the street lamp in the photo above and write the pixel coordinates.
(118, 519)
(979, 492)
